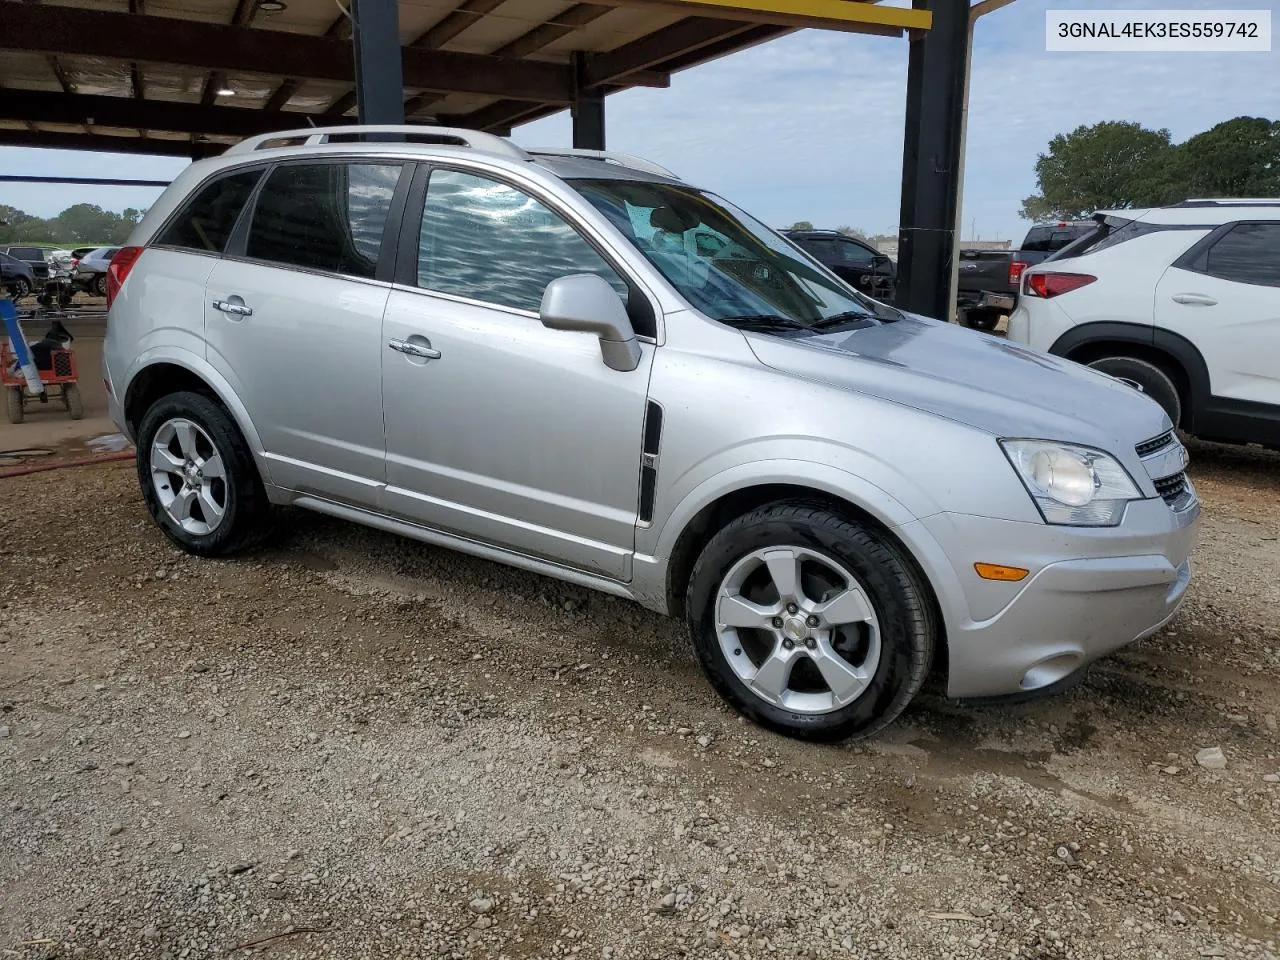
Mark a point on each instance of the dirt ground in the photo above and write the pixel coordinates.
(354, 746)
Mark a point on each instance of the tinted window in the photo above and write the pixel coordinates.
(855, 253)
(823, 250)
(487, 241)
(1250, 253)
(27, 253)
(206, 221)
(324, 216)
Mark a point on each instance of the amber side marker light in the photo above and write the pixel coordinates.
(996, 571)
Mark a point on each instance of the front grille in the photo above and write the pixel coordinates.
(1148, 447)
(1172, 489)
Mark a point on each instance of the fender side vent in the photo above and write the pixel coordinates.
(652, 428)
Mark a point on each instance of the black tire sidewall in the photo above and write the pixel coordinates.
(246, 498)
(1156, 384)
(985, 320)
(905, 632)
(100, 285)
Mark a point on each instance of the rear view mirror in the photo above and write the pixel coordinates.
(586, 302)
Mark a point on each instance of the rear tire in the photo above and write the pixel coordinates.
(72, 401)
(13, 404)
(226, 515)
(19, 289)
(1146, 377)
(984, 320)
(100, 285)
(882, 631)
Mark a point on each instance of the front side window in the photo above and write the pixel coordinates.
(749, 275)
(324, 216)
(206, 221)
(1250, 253)
(485, 240)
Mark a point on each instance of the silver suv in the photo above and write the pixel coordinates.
(578, 364)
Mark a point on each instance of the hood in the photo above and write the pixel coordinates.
(985, 382)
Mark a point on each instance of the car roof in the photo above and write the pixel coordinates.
(1210, 213)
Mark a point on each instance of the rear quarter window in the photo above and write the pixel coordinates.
(206, 220)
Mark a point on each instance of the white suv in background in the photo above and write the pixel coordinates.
(1182, 302)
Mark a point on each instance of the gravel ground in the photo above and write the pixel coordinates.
(351, 745)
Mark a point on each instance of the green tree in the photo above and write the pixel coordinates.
(1236, 158)
(84, 223)
(1107, 165)
(852, 232)
(801, 225)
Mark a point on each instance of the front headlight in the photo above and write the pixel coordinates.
(1072, 485)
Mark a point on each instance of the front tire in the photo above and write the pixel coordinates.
(1146, 377)
(19, 289)
(809, 623)
(198, 476)
(14, 405)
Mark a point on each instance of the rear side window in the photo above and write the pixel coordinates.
(324, 216)
(855, 253)
(823, 250)
(206, 221)
(1037, 239)
(1250, 253)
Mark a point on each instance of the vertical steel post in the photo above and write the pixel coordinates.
(587, 109)
(931, 168)
(375, 41)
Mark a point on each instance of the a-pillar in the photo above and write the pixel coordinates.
(587, 110)
(375, 40)
(931, 162)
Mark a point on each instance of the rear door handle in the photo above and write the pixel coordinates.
(232, 306)
(414, 349)
(1195, 299)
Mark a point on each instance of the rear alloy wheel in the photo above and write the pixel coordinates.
(810, 624)
(1146, 377)
(198, 476)
(100, 285)
(19, 288)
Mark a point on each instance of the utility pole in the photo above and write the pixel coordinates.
(979, 9)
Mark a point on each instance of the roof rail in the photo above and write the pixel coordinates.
(1229, 202)
(622, 159)
(314, 136)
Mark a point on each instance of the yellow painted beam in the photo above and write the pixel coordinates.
(848, 15)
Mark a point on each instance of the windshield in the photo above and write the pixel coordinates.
(724, 262)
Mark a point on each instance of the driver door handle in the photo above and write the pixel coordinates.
(230, 306)
(414, 349)
(1195, 299)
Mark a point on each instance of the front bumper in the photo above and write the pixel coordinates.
(1090, 592)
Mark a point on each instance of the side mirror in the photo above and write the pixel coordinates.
(586, 302)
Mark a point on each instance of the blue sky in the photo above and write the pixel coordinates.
(809, 127)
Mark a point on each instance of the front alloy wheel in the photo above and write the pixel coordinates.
(797, 629)
(810, 622)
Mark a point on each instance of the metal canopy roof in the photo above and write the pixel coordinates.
(187, 77)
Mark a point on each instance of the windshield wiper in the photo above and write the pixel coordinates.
(764, 321)
(839, 319)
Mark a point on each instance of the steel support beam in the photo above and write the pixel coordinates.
(587, 109)
(375, 39)
(44, 107)
(856, 17)
(107, 144)
(213, 46)
(931, 166)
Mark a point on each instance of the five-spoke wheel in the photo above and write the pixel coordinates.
(810, 622)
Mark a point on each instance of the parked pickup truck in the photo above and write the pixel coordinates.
(989, 279)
